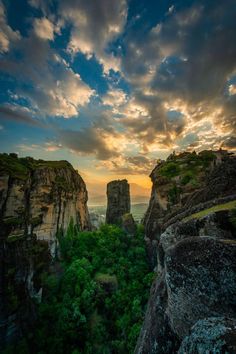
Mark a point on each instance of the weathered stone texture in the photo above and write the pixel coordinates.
(128, 224)
(201, 281)
(196, 280)
(36, 201)
(118, 201)
(43, 203)
(211, 335)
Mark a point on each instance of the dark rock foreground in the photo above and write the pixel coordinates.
(191, 242)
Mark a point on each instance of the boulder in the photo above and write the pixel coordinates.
(200, 280)
(196, 280)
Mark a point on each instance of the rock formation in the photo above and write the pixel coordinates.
(128, 224)
(40, 197)
(212, 335)
(118, 201)
(196, 280)
(37, 199)
(191, 308)
(183, 183)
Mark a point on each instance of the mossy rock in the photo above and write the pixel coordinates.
(232, 217)
(14, 221)
(16, 237)
(225, 206)
(37, 220)
(170, 169)
(62, 183)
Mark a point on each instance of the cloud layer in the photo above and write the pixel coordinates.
(171, 79)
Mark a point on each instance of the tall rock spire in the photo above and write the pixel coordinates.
(118, 201)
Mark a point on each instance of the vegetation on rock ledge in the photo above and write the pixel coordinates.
(20, 167)
(225, 206)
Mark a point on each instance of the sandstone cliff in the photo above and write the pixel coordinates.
(191, 235)
(40, 197)
(118, 201)
(37, 199)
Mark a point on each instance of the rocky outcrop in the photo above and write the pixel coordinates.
(40, 197)
(184, 182)
(192, 302)
(128, 224)
(212, 335)
(200, 280)
(37, 199)
(156, 335)
(118, 201)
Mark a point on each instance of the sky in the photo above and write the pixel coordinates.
(114, 85)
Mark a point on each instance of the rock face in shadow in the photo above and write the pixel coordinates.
(156, 335)
(128, 224)
(37, 199)
(212, 335)
(201, 281)
(118, 201)
(196, 281)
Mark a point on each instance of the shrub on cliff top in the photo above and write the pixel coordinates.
(20, 168)
(170, 170)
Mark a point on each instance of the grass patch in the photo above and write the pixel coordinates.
(106, 279)
(219, 207)
(16, 237)
(229, 242)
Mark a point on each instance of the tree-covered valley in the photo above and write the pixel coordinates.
(94, 300)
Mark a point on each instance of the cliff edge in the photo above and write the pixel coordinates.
(191, 239)
(184, 184)
(37, 199)
(40, 197)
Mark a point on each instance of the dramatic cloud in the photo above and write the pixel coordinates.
(48, 147)
(7, 35)
(115, 99)
(187, 59)
(44, 28)
(230, 143)
(90, 141)
(232, 89)
(173, 83)
(129, 165)
(53, 90)
(19, 114)
(94, 26)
